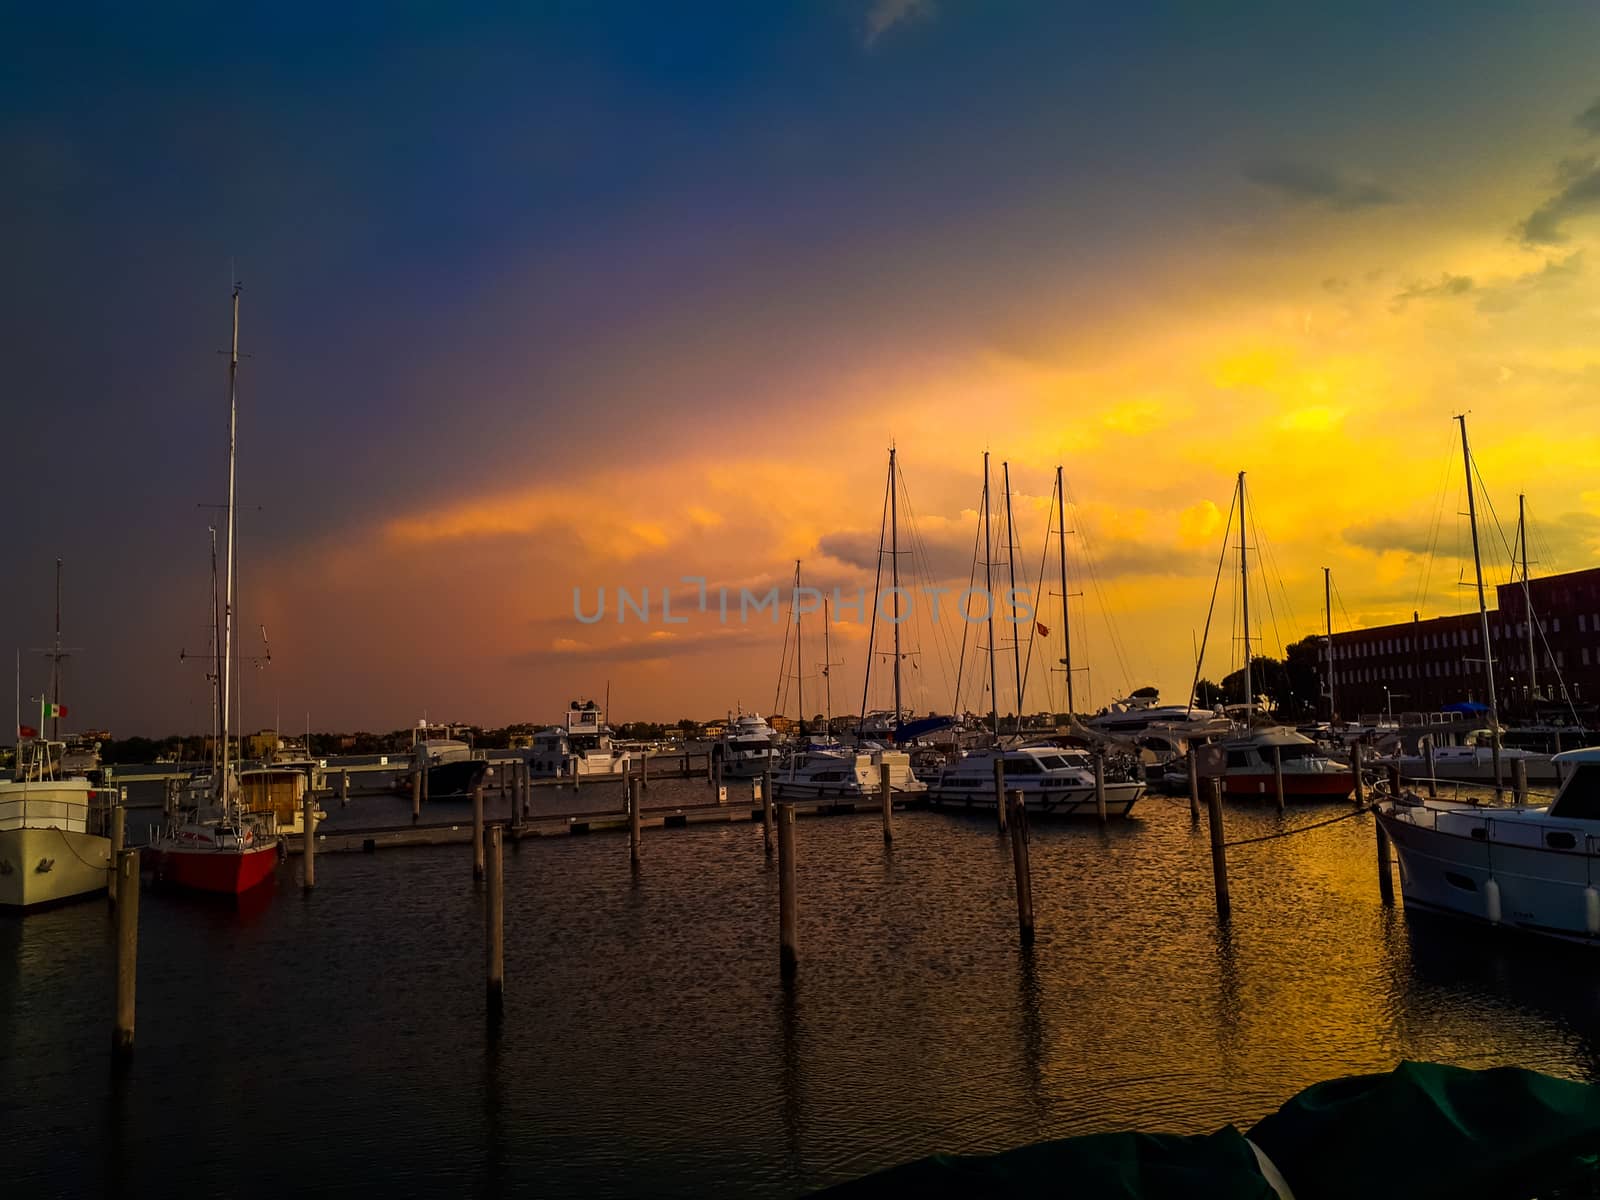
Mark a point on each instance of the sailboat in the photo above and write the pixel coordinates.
(52, 821)
(1256, 757)
(1532, 866)
(220, 845)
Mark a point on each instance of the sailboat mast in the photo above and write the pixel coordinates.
(894, 585)
(1527, 596)
(1327, 603)
(1011, 567)
(1244, 591)
(799, 672)
(227, 608)
(215, 675)
(55, 663)
(1066, 623)
(988, 587)
(827, 666)
(1483, 608)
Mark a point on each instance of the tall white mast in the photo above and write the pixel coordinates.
(1327, 601)
(1483, 608)
(1244, 589)
(1527, 597)
(799, 672)
(894, 587)
(1011, 567)
(227, 608)
(988, 586)
(1066, 623)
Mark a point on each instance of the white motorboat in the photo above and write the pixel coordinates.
(845, 773)
(1531, 867)
(1473, 762)
(1308, 772)
(1053, 782)
(748, 747)
(580, 746)
(52, 832)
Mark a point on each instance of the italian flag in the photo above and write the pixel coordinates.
(52, 710)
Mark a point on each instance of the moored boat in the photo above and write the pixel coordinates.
(748, 747)
(1053, 782)
(53, 846)
(846, 774)
(1308, 773)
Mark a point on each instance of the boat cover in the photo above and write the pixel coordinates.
(1423, 1131)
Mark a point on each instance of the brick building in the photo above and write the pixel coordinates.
(1423, 665)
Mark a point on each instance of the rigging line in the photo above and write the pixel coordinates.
(966, 625)
(1266, 591)
(1113, 634)
(872, 622)
(1495, 517)
(1435, 526)
(1200, 658)
(1274, 571)
(1038, 591)
(941, 639)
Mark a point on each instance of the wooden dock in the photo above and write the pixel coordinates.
(370, 840)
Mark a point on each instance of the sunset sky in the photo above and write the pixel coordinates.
(613, 294)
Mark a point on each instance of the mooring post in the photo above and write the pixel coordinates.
(635, 796)
(1385, 876)
(644, 768)
(416, 797)
(1194, 784)
(1394, 779)
(1000, 788)
(1219, 851)
(711, 768)
(118, 834)
(127, 867)
(169, 796)
(1100, 787)
(344, 788)
(1433, 773)
(422, 767)
(495, 926)
(766, 812)
(1355, 768)
(788, 899)
(1519, 780)
(477, 833)
(886, 796)
(1277, 774)
(308, 816)
(1018, 822)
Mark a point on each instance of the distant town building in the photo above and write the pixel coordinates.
(1423, 665)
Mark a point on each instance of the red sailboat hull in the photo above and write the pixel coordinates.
(205, 869)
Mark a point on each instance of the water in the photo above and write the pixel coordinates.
(336, 1040)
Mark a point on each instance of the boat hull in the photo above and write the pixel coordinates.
(456, 779)
(1051, 802)
(1535, 889)
(1262, 785)
(205, 869)
(40, 867)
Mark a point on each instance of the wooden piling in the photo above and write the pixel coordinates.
(308, 811)
(766, 812)
(1385, 874)
(1277, 775)
(1194, 783)
(1000, 788)
(1395, 783)
(886, 798)
(1100, 787)
(423, 768)
(788, 899)
(127, 866)
(1519, 780)
(495, 927)
(1355, 767)
(635, 799)
(1018, 823)
(1219, 851)
(416, 797)
(644, 768)
(344, 788)
(1433, 771)
(477, 833)
(119, 818)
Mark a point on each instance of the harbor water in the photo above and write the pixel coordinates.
(336, 1040)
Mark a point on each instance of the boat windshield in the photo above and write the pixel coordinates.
(1580, 798)
(1053, 762)
(1297, 753)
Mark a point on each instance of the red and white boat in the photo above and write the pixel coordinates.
(222, 844)
(1250, 770)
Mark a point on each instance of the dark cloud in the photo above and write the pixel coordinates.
(1448, 286)
(1506, 294)
(1307, 183)
(1589, 119)
(1577, 194)
(1387, 534)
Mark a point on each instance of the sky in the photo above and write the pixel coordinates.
(549, 297)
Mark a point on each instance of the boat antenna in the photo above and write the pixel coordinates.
(1483, 608)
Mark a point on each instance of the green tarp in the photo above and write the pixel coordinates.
(1420, 1132)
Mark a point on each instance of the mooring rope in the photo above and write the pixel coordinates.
(1283, 833)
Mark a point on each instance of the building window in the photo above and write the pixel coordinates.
(1555, 625)
(1582, 623)
(1586, 656)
